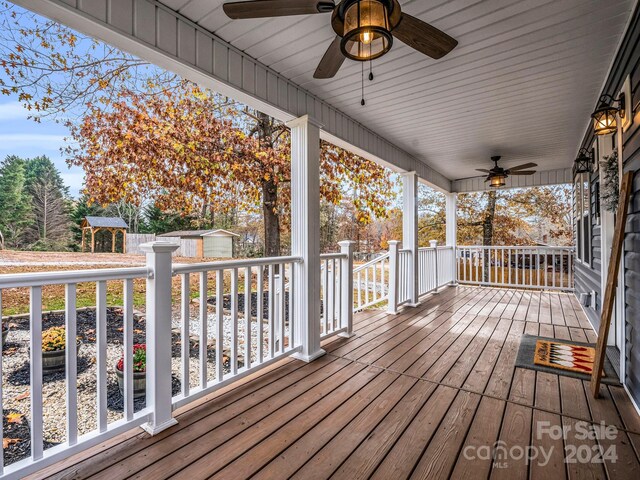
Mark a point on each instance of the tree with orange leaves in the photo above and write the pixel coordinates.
(187, 151)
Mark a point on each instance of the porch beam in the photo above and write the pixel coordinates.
(538, 179)
(410, 230)
(305, 235)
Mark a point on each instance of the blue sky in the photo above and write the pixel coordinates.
(26, 138)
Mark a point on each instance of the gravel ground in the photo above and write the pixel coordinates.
(16, 372)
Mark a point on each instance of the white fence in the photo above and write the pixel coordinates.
(188, 247)
(548, 268)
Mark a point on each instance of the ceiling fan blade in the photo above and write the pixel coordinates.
(331, 61)
(521, 172)
(423, 37)
(276, 8)
(483, 170)
(524, 166)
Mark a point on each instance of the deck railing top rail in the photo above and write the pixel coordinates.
(231, 264)
(39, 279)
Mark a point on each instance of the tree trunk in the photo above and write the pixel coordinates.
(487, 233)
(271, 219)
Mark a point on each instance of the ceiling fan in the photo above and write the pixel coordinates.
(497, 176)
(365, 28)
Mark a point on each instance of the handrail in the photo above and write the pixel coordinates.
(371, 262)
(232, 264)
(39, 279)
(333, 256)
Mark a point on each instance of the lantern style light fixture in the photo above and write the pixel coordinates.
(605, 118)
(497, 180)
(583, 162)
(367, 31)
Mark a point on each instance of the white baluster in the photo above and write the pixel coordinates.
(35, 309)
(71, 362)
(203, 328)
(127, 333)
(101, 349)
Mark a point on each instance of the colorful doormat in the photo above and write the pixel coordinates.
(565, 356)
(573, 359)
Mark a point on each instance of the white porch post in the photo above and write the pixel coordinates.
(159, 335)
(452, 230)
(410, 231)
(305, 235)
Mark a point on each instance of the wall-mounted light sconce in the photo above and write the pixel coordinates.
(605, 118)
(583, 162)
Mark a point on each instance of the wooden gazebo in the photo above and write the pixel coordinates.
(112, 224)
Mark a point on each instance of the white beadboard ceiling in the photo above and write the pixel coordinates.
(521, 83)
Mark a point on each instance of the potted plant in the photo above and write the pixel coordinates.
(54, 349)
(139, 371)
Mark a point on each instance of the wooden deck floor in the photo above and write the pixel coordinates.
(409, 396)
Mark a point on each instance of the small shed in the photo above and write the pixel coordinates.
(219, 244)
(114, 225)
(208, 243)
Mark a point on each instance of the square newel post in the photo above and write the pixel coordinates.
(410, 231)
(394, 288)
(159, 335)
(434, 244)
(346, 284)
(305, 235)
(451, 208)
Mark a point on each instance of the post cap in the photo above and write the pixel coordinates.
(433, 243)
(159, 247)
(393, 242)
(346, 243)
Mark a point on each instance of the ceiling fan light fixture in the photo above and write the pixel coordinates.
(497, 181)
(367, 33)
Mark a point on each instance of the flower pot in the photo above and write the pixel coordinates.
(139, 383)
(55, 360)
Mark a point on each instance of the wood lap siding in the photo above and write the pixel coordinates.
(627, 63)
(632, 281)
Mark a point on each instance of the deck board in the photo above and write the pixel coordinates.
(411, 395)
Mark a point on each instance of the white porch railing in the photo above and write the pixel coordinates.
(234, 340)
(104, 429)
(371, 282)
(549, 268)
(246, 339)
(435, 268)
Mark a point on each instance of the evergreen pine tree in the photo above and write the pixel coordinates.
(15, 208)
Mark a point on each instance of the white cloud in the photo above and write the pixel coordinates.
(12, 141)
(12, 111)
